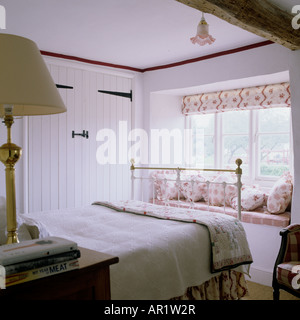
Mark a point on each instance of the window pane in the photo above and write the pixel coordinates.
(235, 122)
(205, 121)
(203, 150)
(235, 147)
(209, 152)
(203, 127)
(274, 154)
(274, 120)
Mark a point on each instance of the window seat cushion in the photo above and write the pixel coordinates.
(259, 216)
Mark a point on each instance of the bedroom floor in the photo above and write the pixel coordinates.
(260, 292)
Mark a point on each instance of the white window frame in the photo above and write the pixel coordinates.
(254, 177)
(257, 176)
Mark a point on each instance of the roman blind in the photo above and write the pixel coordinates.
(272, 95)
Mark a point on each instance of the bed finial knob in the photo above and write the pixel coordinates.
(238, 163)
(132, 164)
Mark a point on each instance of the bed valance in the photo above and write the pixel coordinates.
(273, 95)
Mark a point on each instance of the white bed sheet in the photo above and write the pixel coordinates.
(158, 259)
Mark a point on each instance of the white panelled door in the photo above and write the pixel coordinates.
(63, 172)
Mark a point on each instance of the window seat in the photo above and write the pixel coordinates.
(258, 207)
(259, 216)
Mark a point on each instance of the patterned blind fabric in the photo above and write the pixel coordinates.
(274, 95)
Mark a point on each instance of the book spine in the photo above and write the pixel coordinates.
(34, 249)
(41, 262)
(43, 272)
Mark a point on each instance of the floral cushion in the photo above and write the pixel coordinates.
(281, 194)
(216, 190)
(194, 188)
(165, 186)
(251, 199)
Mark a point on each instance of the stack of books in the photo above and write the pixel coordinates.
(34, 259)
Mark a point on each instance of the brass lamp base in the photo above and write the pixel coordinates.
(9, 155)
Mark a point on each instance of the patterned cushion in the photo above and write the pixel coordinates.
(251, 199)
(196, 190)
(293, 246)
(281, 194)
(165, 185)
(288, 274)
(216, 190)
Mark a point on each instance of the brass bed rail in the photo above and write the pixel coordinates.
(237, 171)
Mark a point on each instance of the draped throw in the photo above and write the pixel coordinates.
(260, 97)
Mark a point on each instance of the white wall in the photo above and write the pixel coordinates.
(262, 61)
(294, 68)
(165, 117)
(264, 241)
(21, 128)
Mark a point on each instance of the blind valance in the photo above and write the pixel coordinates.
(273, 95)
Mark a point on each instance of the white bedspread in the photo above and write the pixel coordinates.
(228, 239)
(158, 259)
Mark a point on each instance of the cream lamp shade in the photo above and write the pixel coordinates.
(25, 82)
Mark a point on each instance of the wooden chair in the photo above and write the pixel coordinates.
(286, 274)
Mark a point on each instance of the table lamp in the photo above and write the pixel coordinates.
(26, 89)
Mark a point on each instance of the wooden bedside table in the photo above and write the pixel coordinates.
(90, 282)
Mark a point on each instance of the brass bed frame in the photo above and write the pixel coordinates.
(237, 171)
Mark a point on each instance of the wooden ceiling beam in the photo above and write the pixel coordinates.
(259, 17)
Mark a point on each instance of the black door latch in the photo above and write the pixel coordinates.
(84, 134)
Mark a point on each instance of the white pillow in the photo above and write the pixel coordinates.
(36, 229)
(216, 191)
(23, 233)
(196, 191)
(281, 194)
(165, 189)
(251, 199)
